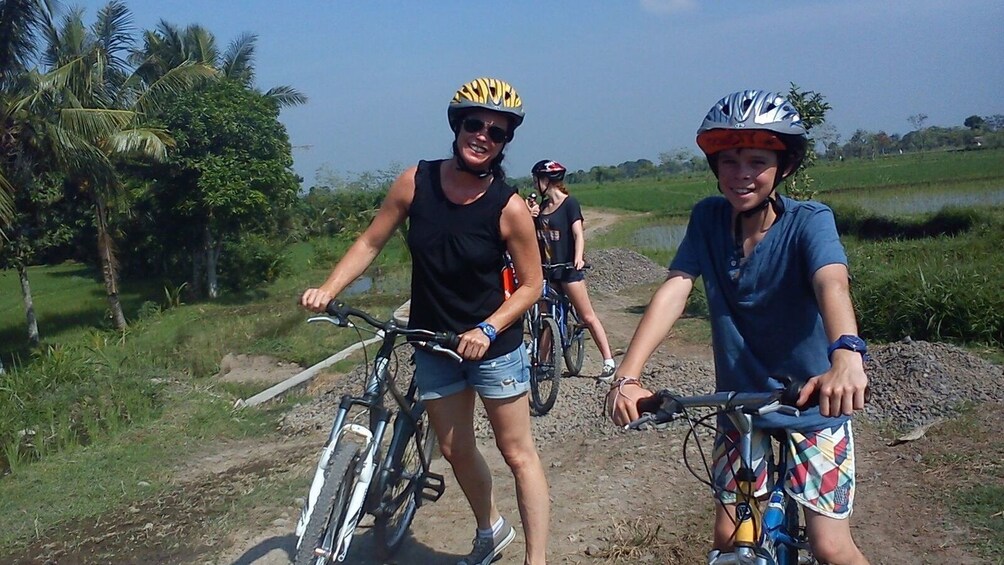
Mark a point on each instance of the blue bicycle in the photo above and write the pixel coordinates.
(774, 536)
(553, 315)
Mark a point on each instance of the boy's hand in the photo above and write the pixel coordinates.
(842, 388)
(621, 403)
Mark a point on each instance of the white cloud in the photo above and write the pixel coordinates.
(668, 6)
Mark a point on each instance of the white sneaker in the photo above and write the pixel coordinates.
(607, 375)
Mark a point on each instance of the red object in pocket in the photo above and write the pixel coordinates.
(508, 277)
(508, 281)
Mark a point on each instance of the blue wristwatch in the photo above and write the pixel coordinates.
(489, 330)
(849, 342)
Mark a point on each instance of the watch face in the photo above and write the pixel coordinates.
(853, 342)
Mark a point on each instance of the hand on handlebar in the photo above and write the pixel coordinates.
(843, 389)
(316, 299)
(579, 264)
(473, 344)
(621, 403)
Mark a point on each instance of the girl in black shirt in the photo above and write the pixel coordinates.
(559, 230)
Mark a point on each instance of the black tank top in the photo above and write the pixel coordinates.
(457, 258)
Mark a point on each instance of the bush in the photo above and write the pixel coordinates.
(250, 262)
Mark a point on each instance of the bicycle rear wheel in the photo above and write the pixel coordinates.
(399, 483)
(576, 343)
(545, 366)
(329, 510)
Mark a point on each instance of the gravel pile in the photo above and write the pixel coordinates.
(916, 382)
(616, 269)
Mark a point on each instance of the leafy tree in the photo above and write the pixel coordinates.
(812, 107)
(230, 173)
(995, 122)
(974, 122)
(22, 22)
(917, 121)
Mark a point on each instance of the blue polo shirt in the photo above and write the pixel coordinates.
(765, 321)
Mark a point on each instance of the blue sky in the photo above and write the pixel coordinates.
(603, 81)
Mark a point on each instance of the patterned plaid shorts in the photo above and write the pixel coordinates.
(819, 474)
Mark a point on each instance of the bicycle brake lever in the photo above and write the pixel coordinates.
(777, 407)
(331, 320)
(440, 349)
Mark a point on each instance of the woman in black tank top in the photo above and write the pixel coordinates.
(462, 218)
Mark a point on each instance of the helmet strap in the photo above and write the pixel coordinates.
(775, 203)
(463, 167)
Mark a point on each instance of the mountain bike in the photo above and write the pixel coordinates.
(553, 315)
(775, 536)
(364, 470)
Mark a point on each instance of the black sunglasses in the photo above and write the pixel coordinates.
(495, 133)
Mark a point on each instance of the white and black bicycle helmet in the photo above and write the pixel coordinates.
(754, 119)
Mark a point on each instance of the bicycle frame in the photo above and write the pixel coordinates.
(559, 307)
(754, 544)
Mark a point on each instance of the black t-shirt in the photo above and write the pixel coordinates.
(554, 232)
(457, 259)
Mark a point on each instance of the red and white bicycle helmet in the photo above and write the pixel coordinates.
(552, 170)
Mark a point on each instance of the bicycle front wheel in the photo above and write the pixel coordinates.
(575, 351)
(332, 502)
(545, 366)
(400, 482)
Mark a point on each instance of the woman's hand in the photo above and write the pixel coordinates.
(621, 402)
(579, 263)
(316, 299)
(473, 344)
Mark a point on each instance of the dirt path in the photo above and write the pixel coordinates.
(617, 497)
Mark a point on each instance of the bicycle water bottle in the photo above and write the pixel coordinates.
(774, 514)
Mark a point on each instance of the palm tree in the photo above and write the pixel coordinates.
(21, 22)
(105, 107)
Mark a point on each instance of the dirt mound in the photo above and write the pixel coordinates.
(243, 368)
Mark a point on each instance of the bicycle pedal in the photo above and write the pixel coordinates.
(430, 487)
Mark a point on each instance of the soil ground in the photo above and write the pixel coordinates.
(617, 497)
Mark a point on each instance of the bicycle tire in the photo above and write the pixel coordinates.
(400, 482)
(575, 352)
(332, 502)
(545, 367)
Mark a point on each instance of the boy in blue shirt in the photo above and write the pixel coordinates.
(777, 284)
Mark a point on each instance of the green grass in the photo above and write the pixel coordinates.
(667, 196)
(136, 464)
(69, 300)
(915, 170)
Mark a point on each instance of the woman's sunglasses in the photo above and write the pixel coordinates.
(495, 133)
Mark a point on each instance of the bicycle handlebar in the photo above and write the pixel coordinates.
(444, 342)
(664, 406)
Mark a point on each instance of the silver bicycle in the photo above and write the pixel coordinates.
(358, 472)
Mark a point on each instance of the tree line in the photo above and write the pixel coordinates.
(149, 153)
